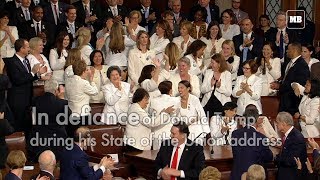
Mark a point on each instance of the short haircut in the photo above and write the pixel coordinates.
(70, 7)
(309, 47)
(231, 14)
(185, 60)
(221, 61)
(264, 16)
(36, 7)
(33, 42)
(182, 126)
(297, 46)
(251, 115)
(93, 53)
(165, 87)
(81, 134)
(188, 25)
(214, 23)
(253, 65)
(46, 160)
(229, 106)
(210, 173)
(256, 172)
(113, 68)
(19, 44)
(132, 13)
(139, 95)
(16, 159)
(51, 85)
(167, 13)
(79, 67)
(231, 44)
(203, 12)
(285, 117)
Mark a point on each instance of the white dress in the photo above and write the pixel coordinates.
(7, 49)
(57, 63)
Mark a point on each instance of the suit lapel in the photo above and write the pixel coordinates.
(19, 64)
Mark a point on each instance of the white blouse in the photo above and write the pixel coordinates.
(235, 67)
(100, 79)
(158, 44)
(194, 81)
(7, 49)
(312, 61)
(57, 63)
(232, 31)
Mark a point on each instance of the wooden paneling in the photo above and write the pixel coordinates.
(317, 20)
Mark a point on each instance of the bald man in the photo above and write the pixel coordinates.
(47, 162)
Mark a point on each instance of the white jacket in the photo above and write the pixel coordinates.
(194, 81)
(216, 124)
(309, 107)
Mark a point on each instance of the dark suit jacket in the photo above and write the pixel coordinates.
(43, 173)
(107, 12)
(11, 8)
(74, 165)
(5, 130)
(144, 22)
(48, 13)
(51, 105)
(18, 18)
(299, 72)
(191, 162)
(306, 34)
(255, 52)
(214, 11)
(245, 156)
(11, 176)
(81, 14)
(20, 94)
(294, 146)
(64, 26)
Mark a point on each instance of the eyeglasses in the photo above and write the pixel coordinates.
(245, 68)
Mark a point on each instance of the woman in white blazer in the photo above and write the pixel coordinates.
(139, 57)
(217, 76)
(269, 70)
(233, 61)
(309, 110)
(190, 111)
(99, 77)
(184, 40)
(229, 26)
(213, 40)
(162, 37)
(8, 36)
(159, 103)
(140, 123)
(195, 54)
(248, 88)
(150, 78)
(79, 89)
(222, 126)
(117, 95)
(183, 74)
(58, 55)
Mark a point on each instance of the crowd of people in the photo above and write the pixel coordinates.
(152, 69)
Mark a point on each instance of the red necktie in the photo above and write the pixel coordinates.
(283, 140)
(175, 161)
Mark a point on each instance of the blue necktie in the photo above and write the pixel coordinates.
(245, 52)
(281, 45)
(25, 63)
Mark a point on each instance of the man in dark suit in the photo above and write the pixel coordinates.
(22, 14)
(47, 163)
(112, 9)
(293, 146)
(178, 15)
(11, 7)
(22, 76)
(51, 104)
(249, 146)
(149, 15)
(247, 45)
(213, 11)
(74, 163)
(36, 27)
(191, 161)
(295, 70)
(306, 29)
(54, 12)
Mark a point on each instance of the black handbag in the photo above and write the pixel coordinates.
(213, 105)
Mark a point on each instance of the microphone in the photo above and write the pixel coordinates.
(199, 136)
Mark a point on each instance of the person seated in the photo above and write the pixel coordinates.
(211, 173)
(47, 163)
(74, 163)
(256, 172)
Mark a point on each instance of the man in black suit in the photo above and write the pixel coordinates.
(47, 163)
(191, 161)
(112, 9)
(36, 27)
(11, 7)
(306, 29)
(295, 70)
(22, 76)
(178, 15)
(293, 146)
(51, 104)
(54, 12)
(22, 14)
(70, 26)
(149, 15)
(247, 45)
(249, 146)
(213, 11)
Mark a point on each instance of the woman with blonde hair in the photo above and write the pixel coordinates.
(36, 57)
(133, 26)
(117, 47)
(233, 61)
(210, 173)
(171, 57)
(16, 160)
(74, 55)
(185, 39)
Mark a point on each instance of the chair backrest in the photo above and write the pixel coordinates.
(16, 141)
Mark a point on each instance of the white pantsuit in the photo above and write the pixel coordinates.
(309, 108)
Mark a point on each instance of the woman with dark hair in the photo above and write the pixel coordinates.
(162, 37)
(195, 53)
(199, 24)
(270, 68)
(222, 125)
(99, 77)
(264, 30)
(105, 31)
(117, 95)
(213, 40)
(58, 55)
(8, 36)
(140, 123)
(190, 110)
(229, 27)
(6, 117)
(308, 110)
(248, 88)
(185, 39)
(217, 80)
(307, 54)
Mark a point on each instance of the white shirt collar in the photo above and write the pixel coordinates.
(47, 172)
(295, 59)
(116, 6)
(288, 132)
(248, 35)
(24, 8)
(54, 4)
(283, 30)
(145, 8)
(70, 22)
(20, 58)
(35, 22)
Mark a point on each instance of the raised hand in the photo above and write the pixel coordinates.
(298, 162)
